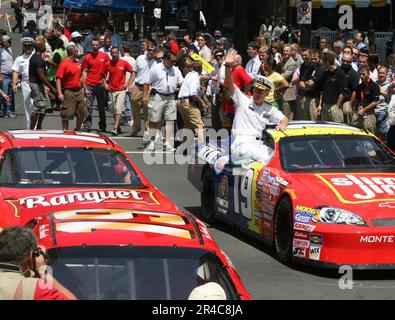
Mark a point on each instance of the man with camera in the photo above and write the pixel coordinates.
(24, 269)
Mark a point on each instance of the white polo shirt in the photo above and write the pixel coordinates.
(250, 120)
(143, 67)
(252, 67)
(163, 80)
(190, 86)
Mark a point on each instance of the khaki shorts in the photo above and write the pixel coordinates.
(331, 112)
(162, 107)
(74, 104)
(40, 98)
(117, 99)
(191, 115)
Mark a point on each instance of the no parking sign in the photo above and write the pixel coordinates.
(303, 9)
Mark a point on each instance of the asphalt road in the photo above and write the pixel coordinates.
(264, 276)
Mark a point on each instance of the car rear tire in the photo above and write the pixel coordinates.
(283, 236)
(207, 197)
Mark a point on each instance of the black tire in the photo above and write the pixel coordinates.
(207, 197)
(283, 234)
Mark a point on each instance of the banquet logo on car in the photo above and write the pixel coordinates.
(360, 188)
(58, 199)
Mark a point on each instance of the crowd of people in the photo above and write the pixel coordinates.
(175, 83)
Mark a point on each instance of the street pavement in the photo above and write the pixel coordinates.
(264, 276)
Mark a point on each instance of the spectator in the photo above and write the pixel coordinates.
(288, 67)
(266, 31)
(23, 271)
(38, 81)
(31, 30)
(76, 38)
(367, 98)
(324, 43)
(190, 103)
(117, 85)
(355, 56)
(127, 114)
(59, 33)
(332, 95)
(359, 40)
(204, 51)
(276, 52)
(144, 63)
(241, 80)
(173, 44)
(92, 81)
(382, 108)
(391, 119)
(164, 79)
(6, 60)
(310, 85)
(18, 12)
(68, 80)
(68, 30)
(253, 65)
(274, 97)
(352, 81)
(278, 30)
(288, 36)
(107, 45)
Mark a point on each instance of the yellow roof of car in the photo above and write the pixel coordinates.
(297, 128)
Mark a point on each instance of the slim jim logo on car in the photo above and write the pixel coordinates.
(360, 188)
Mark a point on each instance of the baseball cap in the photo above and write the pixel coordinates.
(76, 34)
(5, 38)
(27, 40)
(263, 83)
(208, 291)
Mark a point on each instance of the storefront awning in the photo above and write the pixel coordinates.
(108, 5)
(334, 3)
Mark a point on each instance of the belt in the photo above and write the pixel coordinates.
(166, 94)
(139, 84)
(185, 98)
(73, 89)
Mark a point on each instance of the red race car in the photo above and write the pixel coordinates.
(110, 234)
(326, 198)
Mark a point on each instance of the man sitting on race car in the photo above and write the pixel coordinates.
(251, 117)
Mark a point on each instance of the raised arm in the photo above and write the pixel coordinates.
(229, 60)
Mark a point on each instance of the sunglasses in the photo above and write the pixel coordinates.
(219, 55)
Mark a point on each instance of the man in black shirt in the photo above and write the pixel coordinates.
(332, 94)
(352, 81)
(38, 82)
(368, 98)
(310, 87)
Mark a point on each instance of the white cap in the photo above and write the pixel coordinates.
(208, 291)
(76, 34)
(263, 83)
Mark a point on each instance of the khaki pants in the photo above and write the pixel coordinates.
(331, 112)
(137, 104)
(289, 109)
(347, 112)
(305, 109)
(190, 115)
(368, 122)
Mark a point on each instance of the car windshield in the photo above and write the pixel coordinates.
(66, 166)
(335, 152)
(131, 273)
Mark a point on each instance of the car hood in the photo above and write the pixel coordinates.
(370, 195)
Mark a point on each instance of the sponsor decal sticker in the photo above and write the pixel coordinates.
(316, 239)
(299, 252)
(303, 227)
(315, 253)
(387, 205)
(301, 235)
(92, 196)
(222, 199)
(303, 217)
(361, 188)
(301, 243)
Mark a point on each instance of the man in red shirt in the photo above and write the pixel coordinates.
(115, 83)
(243, 81)
(69, 81)
(92, 81)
